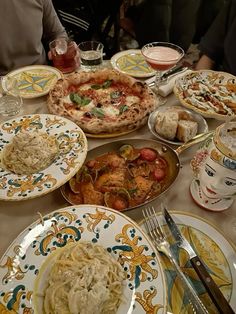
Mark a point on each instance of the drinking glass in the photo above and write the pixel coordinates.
(10, 99)
(91, 54)
(161, 56)
(65, 55)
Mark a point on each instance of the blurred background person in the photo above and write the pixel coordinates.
(180, 22)
(218, 46)
(26, 28)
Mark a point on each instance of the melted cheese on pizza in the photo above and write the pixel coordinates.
(104, 100)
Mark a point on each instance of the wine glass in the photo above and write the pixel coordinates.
(161, 56)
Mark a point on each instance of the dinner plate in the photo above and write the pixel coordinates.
(202, 124)
(132, 62)
(72, 153)
(144, 287)
(35, 80)
(218, 254)
(202, 90)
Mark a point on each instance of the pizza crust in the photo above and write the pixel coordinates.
(135, 116)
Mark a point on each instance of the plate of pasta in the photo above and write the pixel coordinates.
(38, 154)
(82, 259)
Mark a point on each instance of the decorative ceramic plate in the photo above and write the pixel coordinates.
(202, 124)
(72, 153)
(218, 254)
(35, 80)
(144, 287)
(131, 62)
(210, 93)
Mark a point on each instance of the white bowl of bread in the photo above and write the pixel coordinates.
(175, 124)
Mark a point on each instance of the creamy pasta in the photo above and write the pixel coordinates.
(84, 279)
(30, 152)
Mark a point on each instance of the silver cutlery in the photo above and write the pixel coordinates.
(211, 287)
(168, 74)
(158, 238)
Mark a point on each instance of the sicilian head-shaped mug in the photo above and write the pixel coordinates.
(214, 167)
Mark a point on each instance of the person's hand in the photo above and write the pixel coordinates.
(49, 55)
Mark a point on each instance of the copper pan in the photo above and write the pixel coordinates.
(171, 156)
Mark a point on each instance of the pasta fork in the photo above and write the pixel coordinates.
(158, 238)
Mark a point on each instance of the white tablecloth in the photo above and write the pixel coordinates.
(15, 216)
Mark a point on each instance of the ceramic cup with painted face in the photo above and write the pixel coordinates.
(214, 167)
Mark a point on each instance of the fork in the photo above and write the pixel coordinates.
(158, 238)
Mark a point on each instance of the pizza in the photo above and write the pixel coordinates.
(105, 101)
(210, 93)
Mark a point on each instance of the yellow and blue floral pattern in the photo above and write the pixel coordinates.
(72, 153)
(144, 288)
(217, 254)
(36, 80)
(132, 62)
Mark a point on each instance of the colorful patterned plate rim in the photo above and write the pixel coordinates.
(34, 80)
(73, 151)
(202, 124)
(132, 62)
(218, 254)
(213, 77)
(144, 288)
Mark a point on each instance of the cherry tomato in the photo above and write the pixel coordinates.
(159, 174)
(148, 154)
(119, 204)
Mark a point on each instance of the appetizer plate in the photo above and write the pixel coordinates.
(131, 62)
(218, 254)
(72, 153)
(210, 93)
(35, 80)
(202, 124)
(163, 150)
(144, 287)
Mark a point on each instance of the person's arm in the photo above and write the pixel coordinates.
(52, 27)
(212, 44)
(205, 63)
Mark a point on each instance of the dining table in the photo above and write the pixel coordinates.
(15, 216)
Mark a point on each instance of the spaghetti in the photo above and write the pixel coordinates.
(85, 279)
(30, 152)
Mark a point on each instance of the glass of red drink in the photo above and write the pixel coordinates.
(161, 56)
(65, 55)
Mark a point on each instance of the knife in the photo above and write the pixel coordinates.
(172, 71)
(213, 290)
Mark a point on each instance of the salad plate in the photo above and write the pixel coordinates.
(34, 80)
(132, 62)
(72, 145)
(144, 287)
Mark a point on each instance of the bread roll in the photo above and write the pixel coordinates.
(166, 124)
(186, 130)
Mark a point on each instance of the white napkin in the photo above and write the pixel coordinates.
(167, 88)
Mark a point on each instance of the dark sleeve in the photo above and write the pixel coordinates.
(52, 27)
(212, 44)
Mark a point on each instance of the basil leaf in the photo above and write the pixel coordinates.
(98, 112)
(96, 86)
(107, 84)
(123, 108)
(79, 100)
(115, 94)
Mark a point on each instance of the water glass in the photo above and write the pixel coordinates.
(91, 54)
(10, 99)
(65, 55)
